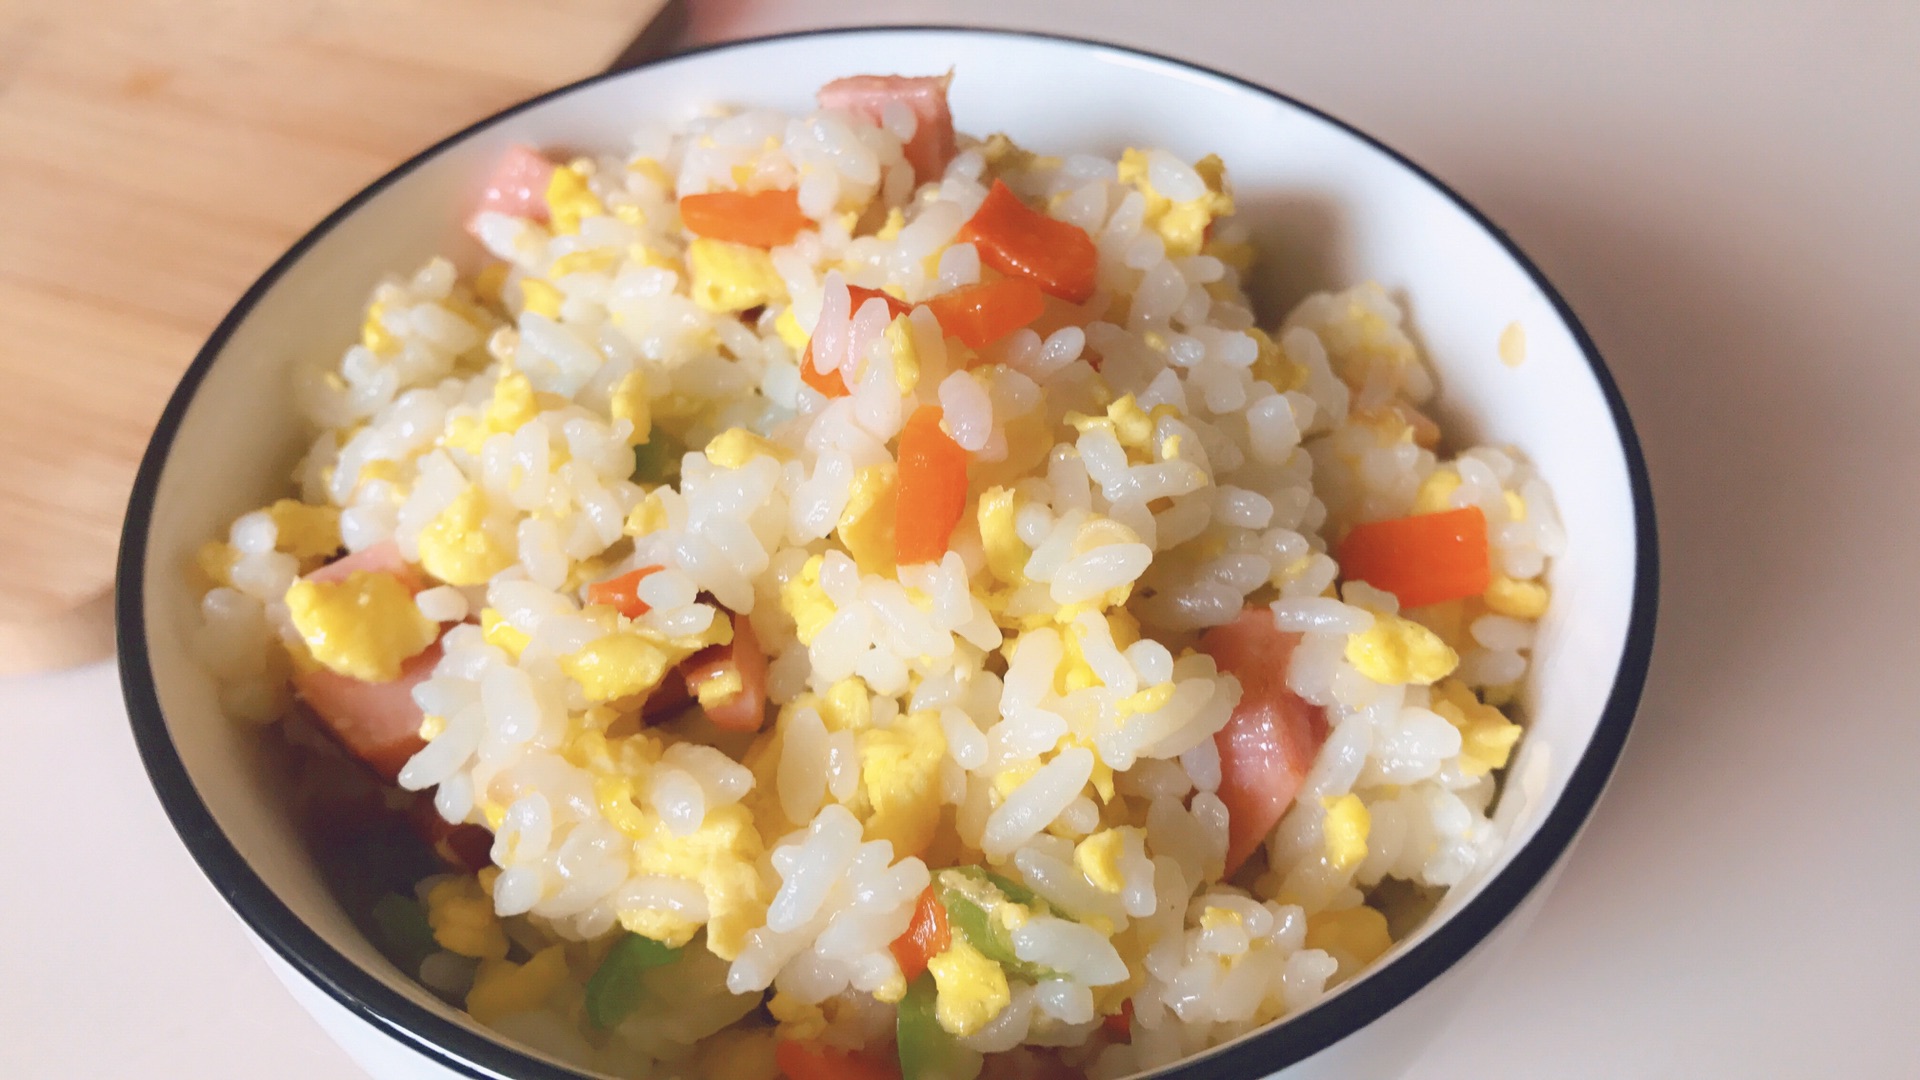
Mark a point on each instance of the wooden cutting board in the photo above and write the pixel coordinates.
(155, 157)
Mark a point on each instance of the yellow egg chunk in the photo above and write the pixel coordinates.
(806, 602)
(461, 546)
(1346, 826)
(617, 666)
(866, 525)
(364, 627)
(540, 298)
(847, 706)
(1271, 364)
(1098, 857)
(303, 531)
(374, 333)
(649, 515)
(569, 199)
(787, 326)
(906, 358)
(732, 277)
(1487, 737)
(582, 262)
(900, 771)
(628, 401)
(734, 447)
(500, 633)
(1182, 225)
(1354, 937)
(1399, 652)
(461, 914)
(1519, 599)
(720, 857)
(502, 988)
(797, 1019)
(970, 990)
(719, 687)
(512, 403)
(1215, 918)
(1006, 554)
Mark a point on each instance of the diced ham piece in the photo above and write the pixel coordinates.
(377, 722)
(381, 558)
(746, 710)
(464, 847)
(1273, 736)
(932, 145)
(518, 186)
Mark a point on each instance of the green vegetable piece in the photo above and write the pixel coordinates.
(927, 1050)
(617, 987)
(1017, 892)
(657, 461)
(971, 896)
(404, 930)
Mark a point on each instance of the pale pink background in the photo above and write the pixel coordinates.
(1726, 193)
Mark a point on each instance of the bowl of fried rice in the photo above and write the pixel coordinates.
(899, 553)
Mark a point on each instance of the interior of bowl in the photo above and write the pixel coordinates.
(1327, 208)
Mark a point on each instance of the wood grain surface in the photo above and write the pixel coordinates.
(155, 157)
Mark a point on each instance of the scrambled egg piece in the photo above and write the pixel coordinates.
(900, 770)
(970, 990)
(866, 526)
(805, 600)
(1182, 225)
(1271, 364)
(583, 262)
(463, 547)
(787, 326)
(502, 988)
(513, 403)
(1487, 737)
(569, 199)
(1436, 491)
(848, 706)
(1354, 937)
(649, 515)
(1130, 424)
(890, 228)
(1098, 857)
(1359, 341)
(1346, 826)
(628, 401)
(720, 858)
(364, 627)
(616, 666)
(1516, 506)
(1006, 554)
(732, 277)
(1396, 651)
(797, 1019)
(734, 447)
(1519, 599)
(461, 914)
(906, 358)
(374, 333)
(305, 532)
(500, 633)
(1214, 918)
(540, 297)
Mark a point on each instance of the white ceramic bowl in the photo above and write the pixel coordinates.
(1328, 206)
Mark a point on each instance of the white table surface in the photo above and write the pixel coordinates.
(1729, 204)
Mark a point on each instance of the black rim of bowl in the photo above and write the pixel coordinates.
(467, 1052)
